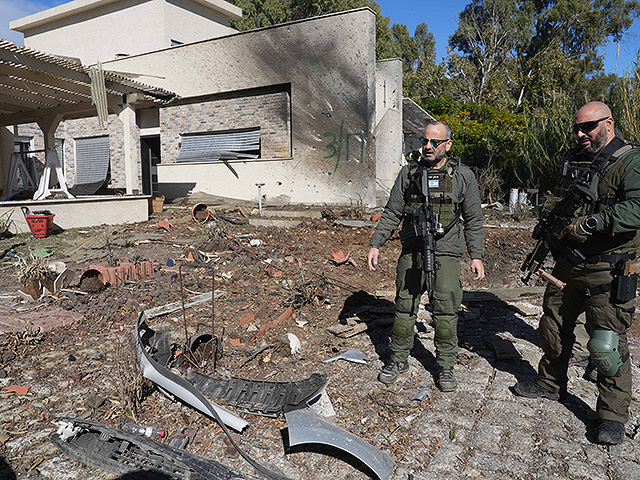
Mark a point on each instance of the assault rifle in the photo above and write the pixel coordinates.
(428, 227)
(550, 225)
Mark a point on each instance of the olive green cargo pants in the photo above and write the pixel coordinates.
(411, 283)
(561, 308)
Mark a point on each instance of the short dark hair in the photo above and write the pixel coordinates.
(447, 128)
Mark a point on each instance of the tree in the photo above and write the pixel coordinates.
(486, 36)
(535, 48)
(625, 102)
(423, 76)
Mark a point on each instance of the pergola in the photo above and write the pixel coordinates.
(36, 87)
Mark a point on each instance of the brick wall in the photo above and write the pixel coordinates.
(268, 110)
(69, 130)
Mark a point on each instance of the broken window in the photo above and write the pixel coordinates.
(220, 146)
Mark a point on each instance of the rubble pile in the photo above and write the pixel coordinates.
(282, 326)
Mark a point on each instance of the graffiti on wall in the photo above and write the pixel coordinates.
(352, 144)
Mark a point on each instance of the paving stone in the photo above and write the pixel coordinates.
(488, 437)
(519, 444)
(625, 469)
(490, 463)
(446, 458)
(580, 469)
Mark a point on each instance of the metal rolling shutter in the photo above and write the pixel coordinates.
(211, 147)
(92, 159)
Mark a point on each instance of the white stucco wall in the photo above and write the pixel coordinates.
(118, 27)
(388, 131)
(192, 22)
(329, 63)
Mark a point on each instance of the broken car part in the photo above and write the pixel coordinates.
(152, 352)
(305, 426)
(120, 453)
(260, 397)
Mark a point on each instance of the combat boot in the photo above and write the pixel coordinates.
(610, 432)
(531, 389)
(391, 370)
(445, 379)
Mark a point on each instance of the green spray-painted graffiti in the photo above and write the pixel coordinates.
(335, 145)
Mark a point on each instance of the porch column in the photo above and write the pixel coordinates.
(132, 158)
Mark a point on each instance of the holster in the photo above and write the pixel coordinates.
(625, 282)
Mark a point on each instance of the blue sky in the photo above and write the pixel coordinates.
(441, 17)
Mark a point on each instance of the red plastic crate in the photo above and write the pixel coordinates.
(40, 225)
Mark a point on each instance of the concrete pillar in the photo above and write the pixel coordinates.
(132, 158)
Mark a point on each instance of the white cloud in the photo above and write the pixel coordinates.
(13, 9)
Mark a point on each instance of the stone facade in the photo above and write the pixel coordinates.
(69, 131)
(269, 110)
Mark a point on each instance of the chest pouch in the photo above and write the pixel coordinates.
(442, 197)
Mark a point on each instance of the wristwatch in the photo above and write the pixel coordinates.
(590, 224)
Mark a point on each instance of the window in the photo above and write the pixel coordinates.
(220, 146)
(92, 159)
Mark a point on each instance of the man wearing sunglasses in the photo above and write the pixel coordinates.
(594, 256)
(454, 197)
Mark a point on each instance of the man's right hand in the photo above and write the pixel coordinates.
(372, 258)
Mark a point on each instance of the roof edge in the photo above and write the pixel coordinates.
(78, 6)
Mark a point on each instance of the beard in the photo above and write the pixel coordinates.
(598, 142)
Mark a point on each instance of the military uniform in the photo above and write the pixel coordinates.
(597, 285)
(455, 197)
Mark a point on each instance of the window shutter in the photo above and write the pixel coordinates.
(218, 146)
(92, 159)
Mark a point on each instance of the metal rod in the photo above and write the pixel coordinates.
(213, 323)
(184, 313)
(214, 343)
(259, 185)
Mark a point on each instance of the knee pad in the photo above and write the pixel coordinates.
(605, 355)
(445, 330)
(403, 327)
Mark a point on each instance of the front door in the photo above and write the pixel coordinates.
(150, 153)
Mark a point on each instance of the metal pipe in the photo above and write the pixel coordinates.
(259, 185)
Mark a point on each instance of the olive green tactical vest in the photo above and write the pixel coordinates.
(442, 196)
(606, 182)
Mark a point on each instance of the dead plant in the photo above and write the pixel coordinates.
(34, 268)
(131, 387)
(306, 292)
(6, 223)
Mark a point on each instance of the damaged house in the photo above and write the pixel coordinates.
(303, 109)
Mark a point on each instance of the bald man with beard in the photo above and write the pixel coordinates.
(603, 239)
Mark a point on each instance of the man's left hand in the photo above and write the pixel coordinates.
(576, 230)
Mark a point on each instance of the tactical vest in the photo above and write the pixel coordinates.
(603, 176)
(442, 197)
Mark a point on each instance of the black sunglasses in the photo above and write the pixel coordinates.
(586, 127)
(434, 141)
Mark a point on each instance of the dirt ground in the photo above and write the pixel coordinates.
(86, 367)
